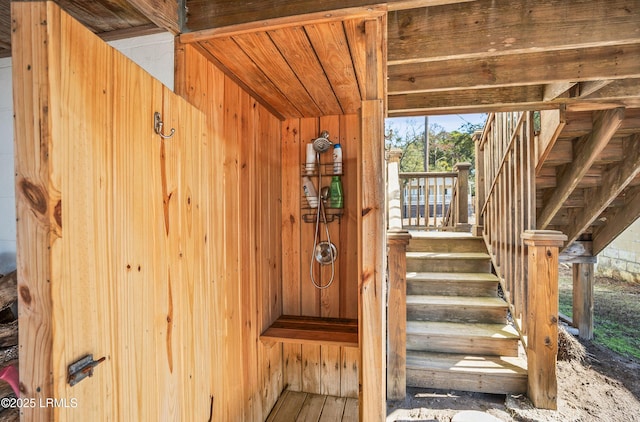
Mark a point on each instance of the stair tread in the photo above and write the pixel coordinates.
(456, 301)
(431, 328)
(463, 363)
(417, 234)
(448, 255)
(429, 276)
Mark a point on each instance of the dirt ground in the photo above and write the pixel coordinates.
(605, 387)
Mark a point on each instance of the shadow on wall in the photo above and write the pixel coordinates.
(7, 262)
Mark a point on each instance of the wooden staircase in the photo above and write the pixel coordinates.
(457, 334)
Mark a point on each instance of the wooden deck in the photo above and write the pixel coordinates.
(306, 407)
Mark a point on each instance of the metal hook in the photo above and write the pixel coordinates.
(157, 125)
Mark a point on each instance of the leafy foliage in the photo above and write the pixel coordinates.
(445, 148)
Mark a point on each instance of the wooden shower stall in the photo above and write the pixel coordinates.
(180, 260)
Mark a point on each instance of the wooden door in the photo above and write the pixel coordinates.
(111, 236)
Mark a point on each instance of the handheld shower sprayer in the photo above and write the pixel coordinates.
(324, 252)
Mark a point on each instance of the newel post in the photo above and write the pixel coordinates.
(542, 315)
(397, 315)
(397, 241)
(462, 193)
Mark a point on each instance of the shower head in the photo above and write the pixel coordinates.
(322, 143)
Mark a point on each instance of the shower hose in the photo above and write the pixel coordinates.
(316, 242)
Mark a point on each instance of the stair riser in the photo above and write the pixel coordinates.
(453, 344)
(448, 288)
(467, 314)
(458, 380)
(448, 265)
(446, 245)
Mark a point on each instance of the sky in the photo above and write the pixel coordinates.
(449, 122)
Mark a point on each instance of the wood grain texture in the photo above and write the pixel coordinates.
(313, 330)
(37, 228)
(165, 290)
(371, 313)
(330, 44)
(496, 27)
(583, 283)
(542, 315)
(537, 68)
(295, 47)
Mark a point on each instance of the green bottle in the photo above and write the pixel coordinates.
(336, 199)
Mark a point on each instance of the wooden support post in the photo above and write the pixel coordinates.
(462, 192)
(542, 315)
(583, 299)
(478, 227)
(394, 213)
(397, 242)
(371, 233)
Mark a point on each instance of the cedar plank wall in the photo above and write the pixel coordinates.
(319, 369)
(144, 251)
(112, 232)
(243, 168)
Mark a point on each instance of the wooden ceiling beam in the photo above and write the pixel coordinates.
(210, 14)
(515, 98)
(166, 14)
(495, 27)
(586, 151)
(618, 220)
(578, 65)
(614, 181)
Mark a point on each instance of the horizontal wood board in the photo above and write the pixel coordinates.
(309, 330)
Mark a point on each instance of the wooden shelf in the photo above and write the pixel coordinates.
(313, 330)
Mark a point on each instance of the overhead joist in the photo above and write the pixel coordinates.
(586, 151)
(614, 181)
(212, 14)
(166, 14)
(546, 67)
(617, 220)
(495, 27)
(472, 100)
(581, 123)
(515, 98)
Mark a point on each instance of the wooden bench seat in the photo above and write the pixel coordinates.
(313, 330)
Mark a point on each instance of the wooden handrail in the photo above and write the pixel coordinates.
(523, 258)
(428, 198)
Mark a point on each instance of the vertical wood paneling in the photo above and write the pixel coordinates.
(330, 297)
(140, 238)
(350, 140)
(291, 266)
(88, 188)
(37, 228)
(313, 368)
(245, 268)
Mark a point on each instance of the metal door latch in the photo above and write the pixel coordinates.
(82, 368)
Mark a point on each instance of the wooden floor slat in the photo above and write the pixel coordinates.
(305, 407)
(312, 408)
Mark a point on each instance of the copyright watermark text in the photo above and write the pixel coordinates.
(23, 403)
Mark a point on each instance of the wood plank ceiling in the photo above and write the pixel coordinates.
(296, 71)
